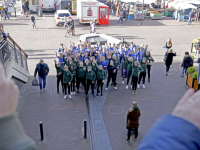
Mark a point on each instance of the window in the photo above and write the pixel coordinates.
(62, 15)
(35, 2)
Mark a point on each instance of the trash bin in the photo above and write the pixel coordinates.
(40, 12)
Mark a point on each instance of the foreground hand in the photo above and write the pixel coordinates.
(188, 107)
(9, 95)
(69, 83)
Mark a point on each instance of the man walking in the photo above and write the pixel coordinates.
(26, 4)
(191, 15)
(42, 69)
(6, 12)
(33, 21)
(113, 9)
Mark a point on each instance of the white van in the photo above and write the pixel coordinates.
(48, 5)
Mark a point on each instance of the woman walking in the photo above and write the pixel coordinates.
(59, 76)
(143, 64)
(133, 116)
(168, 46)
(135, 71)
(169, 60)
(111, 74)
(149, 60)
(187, 62)
(101, 76)
(67, 79)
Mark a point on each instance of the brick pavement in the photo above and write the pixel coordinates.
(160, 95)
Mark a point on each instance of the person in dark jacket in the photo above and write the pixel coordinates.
(187, 62)
(42, 69)
(191, 16)
(6, 12)
(101, 76)
(12, 134)
(113, 7)
(26, 4)
(59, 76)
(24, 9)
(133, 116)
(111, 74)
(169, 60)
(33, 21)
(91, 77)
(179, 130)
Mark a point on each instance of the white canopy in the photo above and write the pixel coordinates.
(184, 5)
(194, 2)
(141, 1)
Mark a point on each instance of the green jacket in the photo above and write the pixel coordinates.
(125, 63)
(91, 76)
(129, 66)
(38, 68)
(58, 69)
(66, 62)
(81, 72)
(135, 70)
(143, 67)
(67, 76)
(101, 75)
(73, 72)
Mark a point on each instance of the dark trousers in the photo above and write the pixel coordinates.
(128, 77)
(167, 67)
(148, 70)
(113, 76)
(73, 85)
(60, 79)
(67, 86)
(99, 84)
(129, 132)
(89, 83)
(135, 81)
(142, 76)
(81, 80)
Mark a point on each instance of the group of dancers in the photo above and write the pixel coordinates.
(94, 66)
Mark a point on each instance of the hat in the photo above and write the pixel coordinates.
(186, 53)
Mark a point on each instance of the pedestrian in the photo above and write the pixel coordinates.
(33, 21)
(120, 17)
(167, 46)
(66, 21)
(6, 12)
(26, 7)
(169, 60)
(101, 76)
(73, 72)
(91, 77)
(117, 12)
(81, 71)
(111, 74)
(125, 16)
(113, 7)
(191, 16)
(72, 28)
(129, 70)
(197, 15)
(133, 117)
(125, 65)
(147, 55)
(135, 72)
(59, 76)
(143, 64)
(67, 79)
(197, 48)
(42, 69)
(187, 62)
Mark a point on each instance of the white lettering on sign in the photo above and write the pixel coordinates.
(89, 4)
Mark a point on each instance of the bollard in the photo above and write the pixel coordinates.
(41, 131)
(85, 128)
(15, 12)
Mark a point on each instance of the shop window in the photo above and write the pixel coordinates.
(35, 2)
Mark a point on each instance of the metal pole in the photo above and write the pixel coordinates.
(15, 12)
(85, 128)
(41, 131)
(142, 12)
(164, 7)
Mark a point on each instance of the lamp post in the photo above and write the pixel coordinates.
(142, 12)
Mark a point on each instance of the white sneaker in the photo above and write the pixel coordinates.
(122, 82)
(115, 88)
(143, 86)
(138, 86)
(65, 96)
(127, 87)
(136, 92)
(131, 87)
(70, 96)
(74, 93)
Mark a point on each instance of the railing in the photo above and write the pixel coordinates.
(9, 49)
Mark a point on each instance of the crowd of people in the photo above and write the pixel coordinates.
(94, 66)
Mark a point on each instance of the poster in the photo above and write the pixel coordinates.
(90, 12)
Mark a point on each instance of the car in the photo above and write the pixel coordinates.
(59, 16)
(94, 38)
(48, 5)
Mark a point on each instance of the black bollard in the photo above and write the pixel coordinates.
(15, 12)
(41, 131)
(85, 128)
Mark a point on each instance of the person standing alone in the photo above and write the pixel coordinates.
(42, 69)
(33, 21)
(191, 16)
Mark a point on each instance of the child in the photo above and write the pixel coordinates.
(142, 76)
(120, 18)
(67, 79)
(59, 76)
(111, 74)
(129, 69)
(135, 70)
(81, 70)
(91, 77)
(101, 76)
(125, 65)
(73, 72)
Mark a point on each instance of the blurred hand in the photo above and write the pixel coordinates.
(188, 107)
(9, 95)
(69, 83)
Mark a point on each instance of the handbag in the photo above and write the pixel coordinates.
(35, 82)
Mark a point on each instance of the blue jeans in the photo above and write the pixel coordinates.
(190, 20)
(44, 81)
(113, 12)
(183, 69)
(6, 15)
